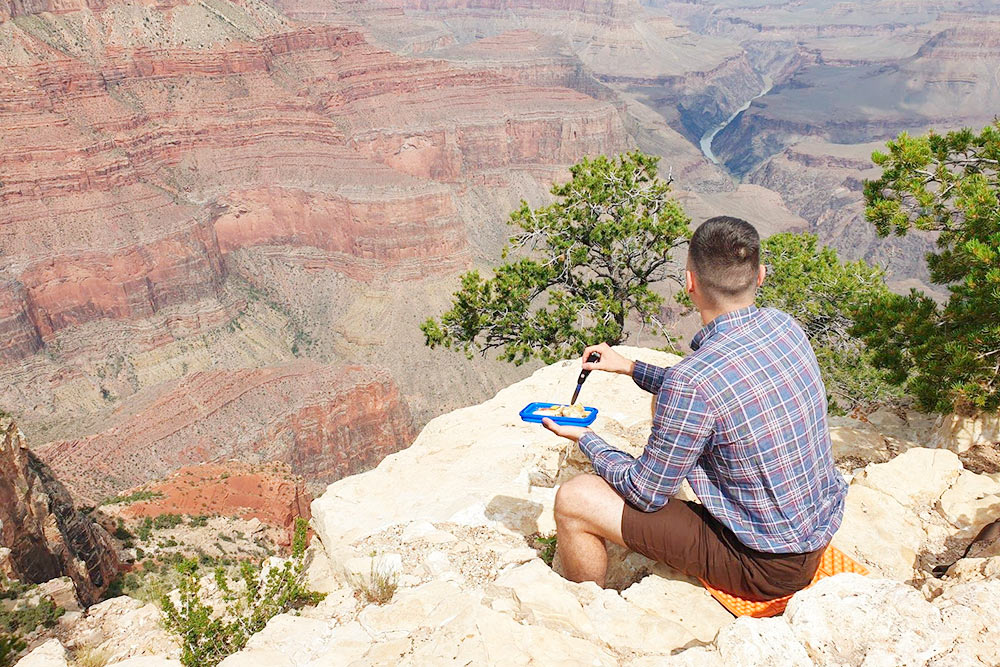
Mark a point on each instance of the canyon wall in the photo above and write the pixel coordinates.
(175, 177)
(324, 421)
(42, 534)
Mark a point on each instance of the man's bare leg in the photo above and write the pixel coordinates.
(588, 511)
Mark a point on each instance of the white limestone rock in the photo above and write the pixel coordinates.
(918, 476)
(761, 642)
(121, 628)
(680, 600)
(50, 654)
(848, 619)
(960, 433)
(971, 502)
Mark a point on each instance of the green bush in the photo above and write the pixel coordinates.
(132, 498)
(208, 635)
(824, 295)
(26, 619)
(587, 264)
(947, 355)
(10, 646)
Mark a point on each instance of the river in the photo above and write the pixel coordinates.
(709, 136)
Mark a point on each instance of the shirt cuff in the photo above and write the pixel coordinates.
(592, 444)
(648, 376)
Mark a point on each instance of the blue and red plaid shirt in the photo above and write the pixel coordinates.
(743, 419)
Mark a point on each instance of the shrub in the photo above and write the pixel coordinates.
(546, 547)
(824, 295)
(208, 634)
(948, 356)
(379, 587)
(10, 646)
(130, 498)
(91, 657)
(590, 259)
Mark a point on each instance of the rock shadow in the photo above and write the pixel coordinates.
(517, 514)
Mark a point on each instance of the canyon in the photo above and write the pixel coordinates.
(222, 221)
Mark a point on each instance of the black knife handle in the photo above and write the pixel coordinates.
(594, 356)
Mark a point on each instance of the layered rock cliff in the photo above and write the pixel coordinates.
(822, 182)
(948, 83)
(42, 534)
(326, 422)
(214, 187)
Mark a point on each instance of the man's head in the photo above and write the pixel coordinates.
(724, 267)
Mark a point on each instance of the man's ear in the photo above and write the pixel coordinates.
(689, 284)
(761, 273)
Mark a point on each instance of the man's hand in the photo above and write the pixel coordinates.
(610, 360)
(573, 433)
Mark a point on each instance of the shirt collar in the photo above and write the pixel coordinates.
(724, 322)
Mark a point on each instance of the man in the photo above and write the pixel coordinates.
(743, 419)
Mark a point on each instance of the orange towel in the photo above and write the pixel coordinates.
(833, 562)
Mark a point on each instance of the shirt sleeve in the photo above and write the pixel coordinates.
(648, 376)
(682, 427)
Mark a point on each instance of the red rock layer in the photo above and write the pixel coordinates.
(125, 181)
(45, 534)
(270, 493)
(326, 422)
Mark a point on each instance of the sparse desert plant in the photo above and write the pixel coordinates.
(10, 646)
(209, 634)
(27, 619)
(379, 586)
(90, 656)
(546, 547)
(128, 499)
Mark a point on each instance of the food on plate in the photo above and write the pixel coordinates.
(576, 411)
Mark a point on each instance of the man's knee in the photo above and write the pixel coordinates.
(570, 497)
(578, 497)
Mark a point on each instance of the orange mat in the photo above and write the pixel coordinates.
(833, 562)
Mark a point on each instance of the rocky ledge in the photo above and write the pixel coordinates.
(454, 521)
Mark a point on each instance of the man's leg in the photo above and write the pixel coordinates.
(588, 511)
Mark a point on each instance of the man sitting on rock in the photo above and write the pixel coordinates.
(743, 419)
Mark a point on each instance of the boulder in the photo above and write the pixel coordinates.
(121, 628)
(960, 433)
(971, 502)
(61, 591)
(50, 654)
(918, 476)
(761, 642)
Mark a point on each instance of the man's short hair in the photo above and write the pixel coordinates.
(725, 256)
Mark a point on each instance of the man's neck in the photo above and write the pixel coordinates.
(709, 314)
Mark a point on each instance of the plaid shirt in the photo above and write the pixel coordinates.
(743, 419)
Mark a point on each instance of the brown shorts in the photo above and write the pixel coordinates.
(689, 539)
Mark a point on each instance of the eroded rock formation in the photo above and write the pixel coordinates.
(42, 534)
(452, 521)
(324, 421)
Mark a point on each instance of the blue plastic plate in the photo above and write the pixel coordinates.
(530, 414)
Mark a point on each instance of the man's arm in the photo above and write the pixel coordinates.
(682, 426)
(647, 376)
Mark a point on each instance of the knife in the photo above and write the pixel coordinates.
(594, 356)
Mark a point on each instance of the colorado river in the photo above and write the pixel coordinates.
(708, 137)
